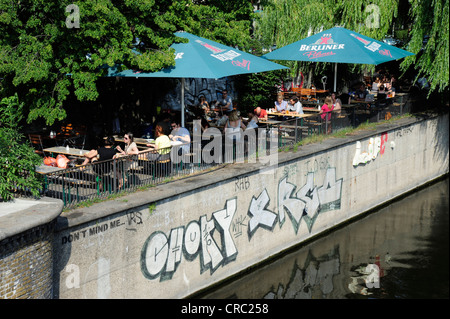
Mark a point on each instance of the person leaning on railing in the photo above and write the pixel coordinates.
(325, 112)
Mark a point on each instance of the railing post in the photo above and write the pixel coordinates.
(114, 188)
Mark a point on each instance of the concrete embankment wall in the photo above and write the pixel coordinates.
(26, 247)
(175, 239)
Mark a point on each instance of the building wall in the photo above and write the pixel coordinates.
(26, 263)
(26, 248)
(175, 239)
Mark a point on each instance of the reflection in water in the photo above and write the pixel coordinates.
(400, 251)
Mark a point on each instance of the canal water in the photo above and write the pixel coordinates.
(400, 251)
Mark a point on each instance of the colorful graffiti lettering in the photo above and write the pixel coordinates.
(376, 145)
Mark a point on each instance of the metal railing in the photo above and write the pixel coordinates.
(101, 179)
(292, 131)
(128, 173)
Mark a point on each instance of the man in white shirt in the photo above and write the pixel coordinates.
(295, 106)
(180, 134)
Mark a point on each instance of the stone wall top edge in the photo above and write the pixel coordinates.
(40, 212)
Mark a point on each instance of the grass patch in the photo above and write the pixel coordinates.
(342, 133)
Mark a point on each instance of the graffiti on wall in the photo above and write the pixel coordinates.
(376, 146)
(162, 254)
(211, 89)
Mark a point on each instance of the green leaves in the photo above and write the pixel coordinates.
(286, 21)
(17, 159)
(430, 18)
(44, 56)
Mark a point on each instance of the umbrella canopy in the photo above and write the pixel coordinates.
(338, 45)
(203, 58)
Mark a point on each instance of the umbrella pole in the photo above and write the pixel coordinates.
(335, 76)
(182, 102)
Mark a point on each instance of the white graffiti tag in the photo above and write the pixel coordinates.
(306, 204)
(260, 217)
(161, 256)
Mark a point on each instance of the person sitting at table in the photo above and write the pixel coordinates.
(337, 103)
(130, 149)
(103, 153)
(222, 120)
(203, 104)
(325, 112)
(180, 134)
(280, 104)
(361, 93)
(382, 93)
(203, 123)
(294, 106)
(225, 104)
(130, 146)
(233, 126)
(162, 143)
(376, 84)
(252, 120)
(261, 113)
(233, 130)
(162, 146)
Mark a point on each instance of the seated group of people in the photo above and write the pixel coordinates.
(222, 105)
(382, 86)
(166, 132)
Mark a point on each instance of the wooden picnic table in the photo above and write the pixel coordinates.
(137, 140)
(66, 151)
(311, 109)
(45, 169)
(290, 114)
(294, 116)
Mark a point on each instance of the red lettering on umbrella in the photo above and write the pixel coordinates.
(314, 54)
(363, 41)
(385, 52)
(244, 64)
(324, 40)
(214, 49)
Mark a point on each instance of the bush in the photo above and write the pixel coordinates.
(257, 89)
(17, 159)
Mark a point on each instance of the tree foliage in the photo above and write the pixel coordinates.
(17, 159)
(286, 21)
(430, 18)
(44, 56)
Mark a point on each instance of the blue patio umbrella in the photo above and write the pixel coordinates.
(338, 45)
(203, 58)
